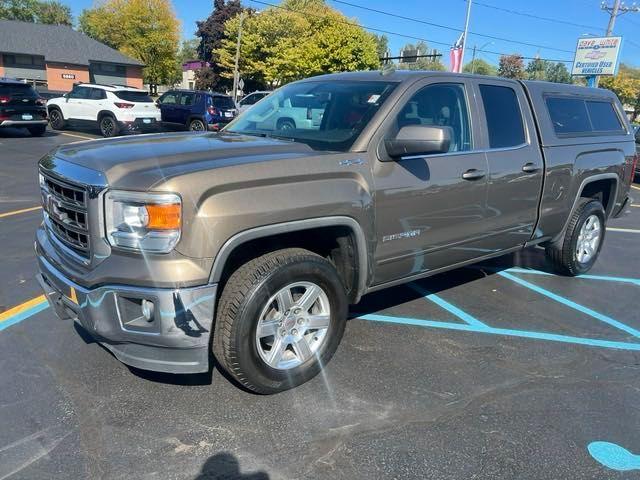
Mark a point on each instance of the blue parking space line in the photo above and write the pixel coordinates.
(604, 278)
(569, 303)
(613, 456)
(552, 337)
(17, 318)
(462, 315)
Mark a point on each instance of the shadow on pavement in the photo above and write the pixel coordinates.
(225, 466)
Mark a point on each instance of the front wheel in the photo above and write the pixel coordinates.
(576, 253)
(197, 125)
(280, 319)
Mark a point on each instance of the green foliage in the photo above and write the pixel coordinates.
(51, 12)
(146, 30)
(421, 63)
(511, 66)
(537, 69)
(188, 50)
(557, 73)
(480, 67)
(382, 45)
(300, 39)
(626, 85)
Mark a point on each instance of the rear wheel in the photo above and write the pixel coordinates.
(197, 125)
(286, 124)
(56, 120)
(576, 253)
(280, 319)
(108, 126)
(37, 130)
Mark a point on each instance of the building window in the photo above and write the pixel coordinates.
(22, 61)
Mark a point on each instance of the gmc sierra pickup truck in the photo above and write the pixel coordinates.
(248, 245)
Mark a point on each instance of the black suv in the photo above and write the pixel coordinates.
(22, 106)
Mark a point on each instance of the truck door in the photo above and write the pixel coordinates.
(431, 209)
(515, 162)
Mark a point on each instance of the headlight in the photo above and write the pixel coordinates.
(148, 222)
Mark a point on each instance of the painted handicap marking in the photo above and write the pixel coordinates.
(571, 304)
(472, 324)
(604, 278)
(614, 456)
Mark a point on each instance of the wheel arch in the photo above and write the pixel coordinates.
(297, 233)
(103, 113)
(283, 119)
(590, 187)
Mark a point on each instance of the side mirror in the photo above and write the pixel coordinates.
(419, 140)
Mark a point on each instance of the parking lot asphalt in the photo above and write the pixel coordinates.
(500, 370)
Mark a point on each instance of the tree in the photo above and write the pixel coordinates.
(537, 69)
(51, 12)
(481, 67)
(626, 88)
(211, 33)
(300, 39)
(188, 50)
(421, 63)
(146, 30)
(558, 73)
(511, 66)
(382, 45)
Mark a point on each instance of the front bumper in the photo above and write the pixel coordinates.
(174, 340)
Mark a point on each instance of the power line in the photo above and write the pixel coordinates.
(388, 32)
(448, 27)
(537, 17)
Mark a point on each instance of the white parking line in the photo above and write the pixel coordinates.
(637, 188)
(626, 230)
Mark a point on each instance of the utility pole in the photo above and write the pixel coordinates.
(466, 32)
(236, 73)
(614, 11)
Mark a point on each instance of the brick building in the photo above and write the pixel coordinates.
(54, 57)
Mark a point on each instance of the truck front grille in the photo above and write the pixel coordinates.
(65, 207)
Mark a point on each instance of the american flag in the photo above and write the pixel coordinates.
(455, 54)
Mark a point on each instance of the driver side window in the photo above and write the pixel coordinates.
(442, 105)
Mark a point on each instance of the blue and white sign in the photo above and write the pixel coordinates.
(596, 56)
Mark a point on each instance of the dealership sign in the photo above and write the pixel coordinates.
(596, 56)
(69, 76)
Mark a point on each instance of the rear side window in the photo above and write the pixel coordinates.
(603, 117)
(576, 116)
(504, 118)
(220, 101)
(186, 99)
(97, 94)
(15, 89)
(133, 96)
(569, 115)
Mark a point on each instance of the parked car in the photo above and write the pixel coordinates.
(251, 99)
(302, 111)
(112, 108)
(21, 106)
(255, 240)
(196, 110)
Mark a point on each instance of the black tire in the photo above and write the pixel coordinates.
(285, 124)
(37, 130)
(247, 292)
(563, 255)
(56, 119)
(197, 125)
(108, 126)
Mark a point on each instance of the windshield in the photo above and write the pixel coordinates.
(324, 115)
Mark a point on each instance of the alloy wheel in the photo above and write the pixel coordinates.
(588, 239)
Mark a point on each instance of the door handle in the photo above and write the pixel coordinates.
(473, 174)
(530, 167)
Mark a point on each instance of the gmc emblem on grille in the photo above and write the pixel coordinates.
(52, 206)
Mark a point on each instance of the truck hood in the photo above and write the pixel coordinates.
(141, 161)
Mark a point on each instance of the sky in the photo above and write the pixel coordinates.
(509, 21)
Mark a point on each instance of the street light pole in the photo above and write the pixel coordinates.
(236, 73)
(466, 32)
